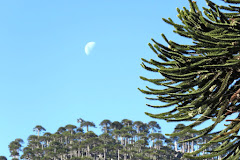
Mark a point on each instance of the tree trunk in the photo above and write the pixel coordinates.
(192, 146)
(66, 140)
(88, 151)
(175, 146)
(106, 128)
(104, 154)
(118, 155)
(183, 147)
(78, 155)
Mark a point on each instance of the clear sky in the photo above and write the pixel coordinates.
(46, 77)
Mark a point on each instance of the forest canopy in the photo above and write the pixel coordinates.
(119, 140)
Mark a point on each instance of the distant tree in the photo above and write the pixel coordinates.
(127, 122)
(61, 130)
(116, 133)
(66, 135)
(144, 128)
(38, 129)
(80, 120)
(88, 141)
(106, 139)
(105, 124)
(47, 137)
(87, 124)
(19, 140)
(118, 147)
(97, 150)
(138, 124)
(80, 130)
(116, 125)
(33, 142)
(15, 148)
(153, 125)
(70, 128)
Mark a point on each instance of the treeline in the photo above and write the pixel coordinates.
(126, 140)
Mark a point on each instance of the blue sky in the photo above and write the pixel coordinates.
(46, 77)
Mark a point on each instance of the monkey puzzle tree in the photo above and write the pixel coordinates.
(137, 125)
(127, 122)
(70, 128)
(116, 125)
(87, 124)
(105, 124)
(201, 80)
(80, 120)
(15, 147)
(38, 129)
(153, 125)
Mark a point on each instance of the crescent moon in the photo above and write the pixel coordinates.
(89, 46)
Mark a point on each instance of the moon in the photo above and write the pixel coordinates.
(89, 46)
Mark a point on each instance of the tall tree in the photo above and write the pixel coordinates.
(116, 125)
(70, 128)
(106, 139)
(80, 120)
(201, 79)
(127, 122)
(89, 140)
(153, 125)
(27, 153)
(88, 124)
(15, 147)
(38, 129)
(61, 130)
(47, 137)
(105, 124)
(137, 124)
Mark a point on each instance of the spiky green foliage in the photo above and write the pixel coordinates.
(198, 78)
